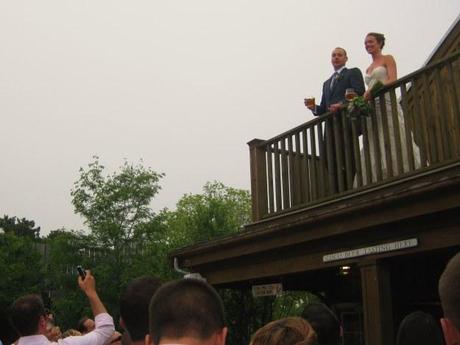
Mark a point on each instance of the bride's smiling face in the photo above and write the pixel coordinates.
(371, 45)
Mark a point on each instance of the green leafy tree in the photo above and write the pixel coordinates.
(20, 267)
(66, 250)
(218, 211)
(20, 227)
(116, 208)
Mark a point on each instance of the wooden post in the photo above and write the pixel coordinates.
(378, 313)
(258, 179)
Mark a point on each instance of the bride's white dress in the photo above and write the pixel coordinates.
(380, 74)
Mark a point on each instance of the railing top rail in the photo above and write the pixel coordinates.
(394, 84)
(297, 129)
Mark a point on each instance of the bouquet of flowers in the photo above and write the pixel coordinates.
(359, 106)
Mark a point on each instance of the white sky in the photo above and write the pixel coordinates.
(183, 85)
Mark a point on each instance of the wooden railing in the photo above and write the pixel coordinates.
(414, 125)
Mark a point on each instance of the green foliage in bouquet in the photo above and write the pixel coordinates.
(358, 107)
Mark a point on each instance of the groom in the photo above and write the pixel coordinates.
(332, 100)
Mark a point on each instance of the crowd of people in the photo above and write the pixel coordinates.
(190, 312)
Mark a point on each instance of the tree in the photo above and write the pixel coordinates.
(116, 208)
(20, 227)
(218, 211)
(67, 249)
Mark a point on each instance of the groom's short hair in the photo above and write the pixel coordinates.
(344, 51)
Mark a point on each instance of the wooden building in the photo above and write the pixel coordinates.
(372, 245)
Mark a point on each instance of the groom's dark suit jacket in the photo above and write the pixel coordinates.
(348, 78)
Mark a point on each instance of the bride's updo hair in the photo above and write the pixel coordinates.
(379, 37)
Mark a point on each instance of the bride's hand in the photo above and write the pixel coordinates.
(367, 95)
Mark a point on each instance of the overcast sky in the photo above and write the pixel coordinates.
(182, 85)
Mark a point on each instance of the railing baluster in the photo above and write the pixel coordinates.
(376, 143)
(277, 157)
(307, 166)
(294, 170)
(420, 123)
(388, 148)
(285, 175)
(356, 153)
(271, 200)
(314, 165)
(321, 171)
(338, 154)
(332, 188)
(367, 165)
(396, 131)
(349, 169)
(408, 132)
(299, 177)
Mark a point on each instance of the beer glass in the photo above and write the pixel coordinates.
(350, 94)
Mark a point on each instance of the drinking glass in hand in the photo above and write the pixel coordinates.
(310, 102)
(350, 94)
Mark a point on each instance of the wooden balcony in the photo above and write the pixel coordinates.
(414, 128)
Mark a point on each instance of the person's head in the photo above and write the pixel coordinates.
(134, 306)
(187, 308)
(374, 42)
(53, 333)
(70, 333)
(419, 328)
(28, 315)
(339, 58)
(85, 325)
(449, 287)
(288, 331)
(324, 322)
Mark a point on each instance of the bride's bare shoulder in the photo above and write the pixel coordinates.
(389, 58)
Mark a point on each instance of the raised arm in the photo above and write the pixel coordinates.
(88, 285)
(104, 322)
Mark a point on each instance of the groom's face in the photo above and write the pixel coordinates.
(338, 58)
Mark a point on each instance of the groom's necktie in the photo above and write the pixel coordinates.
(334, 79)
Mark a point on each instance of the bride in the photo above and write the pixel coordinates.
(383, 69)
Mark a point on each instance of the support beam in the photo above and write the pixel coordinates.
(377, 303)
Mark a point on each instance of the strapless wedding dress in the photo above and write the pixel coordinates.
(380, 74)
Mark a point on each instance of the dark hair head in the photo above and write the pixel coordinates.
(379, 37)
(288, 331)
(449, 287)
(25, 314)
(186, 307)
(81, 325)
(324, 322)
(342, 49)
(419, 328)
(134, 305)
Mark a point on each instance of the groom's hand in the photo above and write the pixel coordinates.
(335, 107)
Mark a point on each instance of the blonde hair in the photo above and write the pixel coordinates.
(287, 331)
(70, 333)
